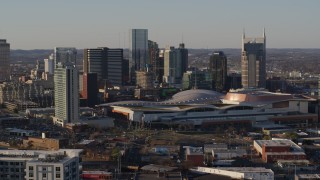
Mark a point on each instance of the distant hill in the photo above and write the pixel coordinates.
(30, 56)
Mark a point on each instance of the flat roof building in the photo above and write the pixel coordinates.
(274, 150)
(35, 164)
(239, 172)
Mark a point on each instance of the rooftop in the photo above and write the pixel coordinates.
(277, 143)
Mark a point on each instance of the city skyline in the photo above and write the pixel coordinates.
(205, 24)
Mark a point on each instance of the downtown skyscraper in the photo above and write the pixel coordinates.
(175, 64)
(66, 86)
(253, 62)
(106, 62)
(138, 51)
(4, 60)
(218, 70)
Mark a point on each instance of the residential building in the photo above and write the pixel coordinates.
(218, 69)
(66, 93)
(4, 60)
(37, 164)
(253, 61)
(49, 65)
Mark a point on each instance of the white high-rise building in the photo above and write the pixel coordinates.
(48, 65)
(138, 50)
(38, 164)
(4, 60)
(66, 87)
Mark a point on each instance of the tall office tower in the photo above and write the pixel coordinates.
(218, 69)
(65, 54)
(90, 89)
(138, 51)
(66, 93)
(4, 60)
(125, 71)
(48, 65)
(253, 61)
(114, 67)
(161, 66)
(170, 61)
(107, 63)
(182, 59)
(66, 86)
(154, 59)
(93, 61)
(175, 64)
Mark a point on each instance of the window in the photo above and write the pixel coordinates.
(44, 175)
(30, 174)
(30, 168)
(44, 168)
(57, 168)
(57, 175)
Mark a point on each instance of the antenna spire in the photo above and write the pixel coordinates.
(243, 34)
(182, 39)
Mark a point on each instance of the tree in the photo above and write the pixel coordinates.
(115, 153)
(291, 135)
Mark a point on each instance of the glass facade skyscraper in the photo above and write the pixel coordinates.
(138, 50)
(107, 63)
(4, 60)
(218, 69)
(175, 64)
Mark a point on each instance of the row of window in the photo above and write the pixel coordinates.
(44, 168)
(11, 163)
(44, 175)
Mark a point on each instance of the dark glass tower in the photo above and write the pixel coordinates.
(218, 69)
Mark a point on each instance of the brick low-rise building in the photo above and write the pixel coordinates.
(274, 150)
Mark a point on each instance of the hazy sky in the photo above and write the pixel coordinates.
(44, 24)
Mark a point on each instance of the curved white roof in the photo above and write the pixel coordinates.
(194, 96)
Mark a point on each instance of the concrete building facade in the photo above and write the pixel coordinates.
(66, 93)
(253, 61)
(175, 64)
(36, 164)
(49, 65)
